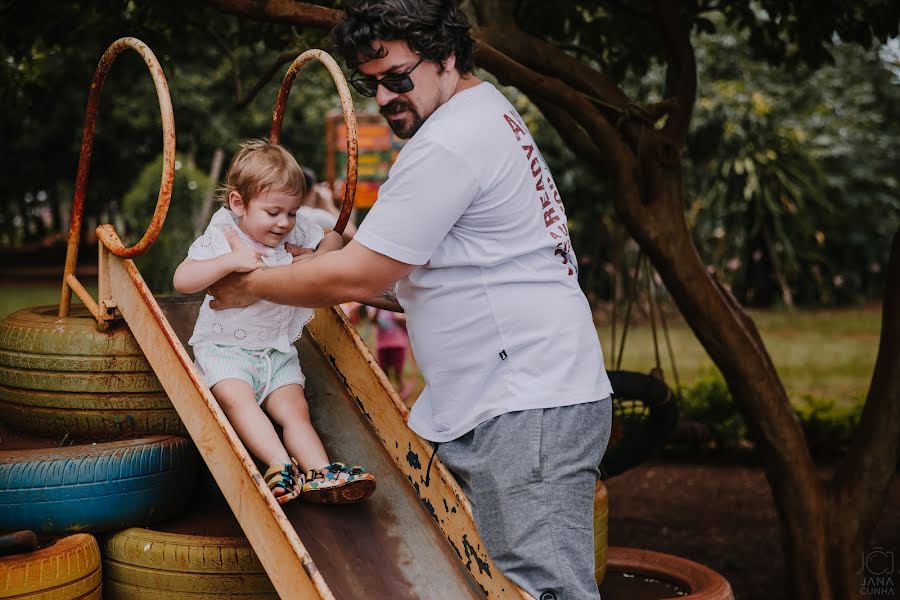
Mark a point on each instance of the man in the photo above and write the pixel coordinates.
(471, 227)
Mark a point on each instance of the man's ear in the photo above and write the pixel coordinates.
(236, 203)
(449, 63)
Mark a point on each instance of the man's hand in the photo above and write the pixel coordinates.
(243, 258)
(231, 292)
(298, 252)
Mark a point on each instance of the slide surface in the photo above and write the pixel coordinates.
(414, 538)
(386, 547)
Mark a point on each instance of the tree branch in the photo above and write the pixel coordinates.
(280, 11)
(541, 56)
(542, 88)
(266, 77)
(572, 133)
(681, 76)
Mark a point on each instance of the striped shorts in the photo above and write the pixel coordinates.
(264, 370)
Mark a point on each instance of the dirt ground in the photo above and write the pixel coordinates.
(720, 515)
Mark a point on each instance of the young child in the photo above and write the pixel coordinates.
(391, 343)
(246, 355)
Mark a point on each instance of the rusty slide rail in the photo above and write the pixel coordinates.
(70, 283)
(121, 287)
(349, 120)
(274, 540)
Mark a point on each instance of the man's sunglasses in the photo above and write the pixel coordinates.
(399, 83)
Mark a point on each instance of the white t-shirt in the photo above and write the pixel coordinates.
(495, 315)
(263, 324)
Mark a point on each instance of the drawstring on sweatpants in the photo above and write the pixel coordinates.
(266, 355)
(430, 460)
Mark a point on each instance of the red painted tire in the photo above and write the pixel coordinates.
(700, 582)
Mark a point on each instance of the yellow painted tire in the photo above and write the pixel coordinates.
(68, 569)
(142, 564)
(601, 531)
(61, 375)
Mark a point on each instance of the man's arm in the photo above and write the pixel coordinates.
(330, 242)
(352, 273)
(386, 300)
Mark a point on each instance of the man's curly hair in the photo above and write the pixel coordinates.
(434, 29)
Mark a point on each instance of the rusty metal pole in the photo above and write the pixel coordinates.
(349, 120)
(84, 161)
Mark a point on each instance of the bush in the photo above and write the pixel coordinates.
(709, 402)
(828, 424)
(190, 186)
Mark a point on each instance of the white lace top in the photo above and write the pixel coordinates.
(262, 324)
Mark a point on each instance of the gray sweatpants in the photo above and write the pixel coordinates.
(530, 477)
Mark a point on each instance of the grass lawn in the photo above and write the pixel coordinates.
(823, 353)
(19, 295)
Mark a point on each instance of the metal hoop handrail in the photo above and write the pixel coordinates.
(349, 120)
(84, 162)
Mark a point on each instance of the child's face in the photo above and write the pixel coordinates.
(268, 217)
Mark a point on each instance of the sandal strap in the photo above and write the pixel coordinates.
(336, 472)
(281, 476)
(342, 468)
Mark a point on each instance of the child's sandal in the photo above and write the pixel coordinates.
(338, 484)
(286, 477)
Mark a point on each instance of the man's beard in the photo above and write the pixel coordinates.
(398, 126)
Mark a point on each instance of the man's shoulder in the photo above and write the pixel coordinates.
(463, 124)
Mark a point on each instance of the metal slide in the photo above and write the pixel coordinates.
(415, 537)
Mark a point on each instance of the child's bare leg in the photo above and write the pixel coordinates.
(288, 407)
(237, 399)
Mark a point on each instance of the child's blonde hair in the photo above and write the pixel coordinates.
(258, 166)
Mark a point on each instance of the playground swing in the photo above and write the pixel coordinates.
(645, 410)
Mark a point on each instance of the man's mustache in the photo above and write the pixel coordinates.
(393, 107)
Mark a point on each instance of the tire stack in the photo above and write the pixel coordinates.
(106, 456)
(60, 376)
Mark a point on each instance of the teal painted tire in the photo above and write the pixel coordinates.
(96, 487)
(61, 375)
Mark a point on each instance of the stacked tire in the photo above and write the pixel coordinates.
(109, 458)
(60, 376)
(96, 487)
(143, 564)
(68, 568)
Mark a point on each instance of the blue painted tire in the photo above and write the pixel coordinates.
(96, 487)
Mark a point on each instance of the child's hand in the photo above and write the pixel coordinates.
(243, 258)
